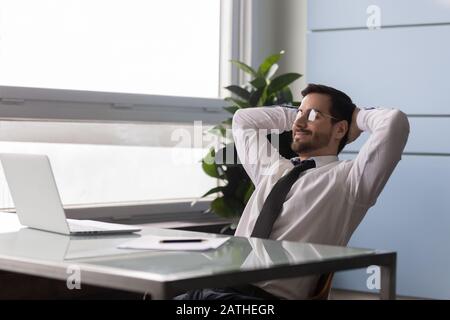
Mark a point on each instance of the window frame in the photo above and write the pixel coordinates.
(22, 103)
(74, 105)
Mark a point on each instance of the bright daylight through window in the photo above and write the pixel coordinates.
(165, 47)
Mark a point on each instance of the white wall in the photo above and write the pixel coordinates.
(404, 64)
(280, 25)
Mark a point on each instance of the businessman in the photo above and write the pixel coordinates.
(314, 197)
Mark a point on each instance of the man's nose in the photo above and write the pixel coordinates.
(301, 122)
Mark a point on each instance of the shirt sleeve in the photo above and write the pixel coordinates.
(377, 159)
(250, 128)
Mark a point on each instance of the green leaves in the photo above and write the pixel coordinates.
(227, 207)
(212, 191)
(268, 63)
(259, 83)
(208, 164)
(255, 97)
(281, 82)
(263, 91)
(244, 67)
(240, 92)
(284, 96)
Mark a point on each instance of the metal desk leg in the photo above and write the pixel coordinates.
(388, 280)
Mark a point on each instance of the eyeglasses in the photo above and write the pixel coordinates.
(312, 114)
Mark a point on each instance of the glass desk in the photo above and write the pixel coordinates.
(164, 274)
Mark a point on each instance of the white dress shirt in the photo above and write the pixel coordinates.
(327, 203)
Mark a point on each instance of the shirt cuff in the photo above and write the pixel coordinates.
(361, 118)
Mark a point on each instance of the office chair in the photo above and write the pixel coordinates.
(323, 287)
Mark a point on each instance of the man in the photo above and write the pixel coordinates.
(325, 199)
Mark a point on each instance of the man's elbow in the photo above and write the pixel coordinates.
(400, 125)
(237, 116)
(240, 120)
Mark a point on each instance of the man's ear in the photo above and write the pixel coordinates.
(341, 129)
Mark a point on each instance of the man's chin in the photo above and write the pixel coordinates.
(299, 147)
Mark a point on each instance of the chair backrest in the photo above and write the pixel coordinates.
(323, 287)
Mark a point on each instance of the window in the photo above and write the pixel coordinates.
(164, 47)
(100, 85)
(111, 163)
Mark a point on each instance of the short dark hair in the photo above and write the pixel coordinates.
(342, 106)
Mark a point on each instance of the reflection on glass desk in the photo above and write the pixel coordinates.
(43, 245)
(163, 274)
(237, 254)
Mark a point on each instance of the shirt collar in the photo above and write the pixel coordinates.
(320, 160)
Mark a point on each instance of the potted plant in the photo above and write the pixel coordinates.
(264, 89)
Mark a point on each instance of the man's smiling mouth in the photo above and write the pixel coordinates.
(301, 133)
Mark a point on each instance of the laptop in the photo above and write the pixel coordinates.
(38, 204)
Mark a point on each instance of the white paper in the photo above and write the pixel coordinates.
(154, 243)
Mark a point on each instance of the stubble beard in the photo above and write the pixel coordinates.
(316, 142)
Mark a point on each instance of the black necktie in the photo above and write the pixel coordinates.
(274, 201)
